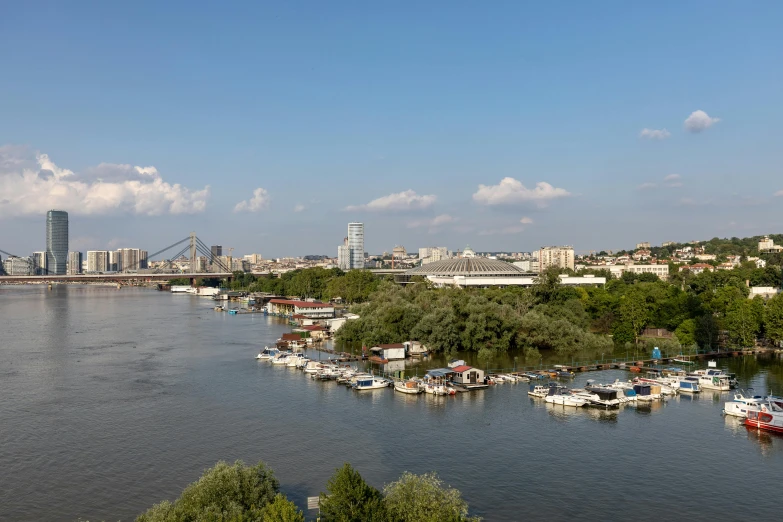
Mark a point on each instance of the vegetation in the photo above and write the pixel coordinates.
(240, 493)
(703, 310)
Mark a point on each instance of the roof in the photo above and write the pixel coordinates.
(468, 266)
(299, 316)
(394, 345)
(290, 337)
(439, 372)
(300, 304)
(314, 328)
(460, 369)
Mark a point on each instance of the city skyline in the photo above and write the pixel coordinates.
(487, 128)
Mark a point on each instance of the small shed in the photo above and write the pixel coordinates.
(390, 352)
(467, 375)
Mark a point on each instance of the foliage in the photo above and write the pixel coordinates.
(351, 499)
(224, 492)
(773, 318)
(424, 498)
(281, 510)
(353, 287)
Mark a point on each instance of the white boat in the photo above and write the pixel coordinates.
(281, 358)
(712, 379)
(602, 396)
(456, 362)
(563, 397)
(410, 386)
(769, 416)
(293, 360)
(538, 390)
(267, 353)
(689, 385)
(669, 386)
(742, 404)
(313, 366)
(373, 383)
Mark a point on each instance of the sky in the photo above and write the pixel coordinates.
(268, 126)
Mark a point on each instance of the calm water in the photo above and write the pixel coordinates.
(113, 400)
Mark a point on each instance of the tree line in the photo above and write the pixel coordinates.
(702, 311)
(240, 493)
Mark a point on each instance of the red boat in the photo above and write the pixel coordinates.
(769, 418)
(635, 369)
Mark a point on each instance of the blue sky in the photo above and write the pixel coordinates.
(396, 111)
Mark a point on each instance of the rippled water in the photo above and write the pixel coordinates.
(113, 400)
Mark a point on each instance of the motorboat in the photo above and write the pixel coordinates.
(768, 417)
(410, 386)
(313, 366)
(712, 379)
(601, 396)
(538, 390)
(293, 360)
(647, 392)
(267, 353)
(372, 383)
(563, 397)
(281, 358)
(742, 404)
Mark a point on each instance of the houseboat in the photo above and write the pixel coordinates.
(372, 383)
(468, 377)
(389, 352)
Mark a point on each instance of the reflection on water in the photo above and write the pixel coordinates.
(113, 400)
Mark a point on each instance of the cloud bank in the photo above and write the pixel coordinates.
(31, 183)
(407, 200)
(511, 191)
(654, 134)
(258, 202)
(699, 121)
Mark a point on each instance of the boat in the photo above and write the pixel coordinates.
(742, 404)
(647, 392)
(635, 369)
(561, 396)
(667, 387)
(410, 386)
(233, 311)
(538, 390)
(372, 383)
(267, 353)
(281, 358)
(453, 363)
(294, 360)
(768, 417)
(689, 385)
(601, 396)
(682, 361)
(712, 379)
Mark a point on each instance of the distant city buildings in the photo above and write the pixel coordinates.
(18, 266)
(217, 251)
(556, 256)
(768, 245)
(97, 261)
(344, 256)
(57, 242)
(432, 254)
(645, 245)
(662, 270)
(40, 266)
(74, 263)
(399, 252)
(356, 245)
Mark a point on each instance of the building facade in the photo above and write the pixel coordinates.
(57, 242)
(557, 256)
(356, 245)
(74, 263)
(344, 256)
(18, 266)
(97, 261)
(662, 271)
(399, 252)
(217, 251)
(40, 266)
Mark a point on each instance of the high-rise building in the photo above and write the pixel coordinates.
(115, 261)
(201, 264)
(97, 261)
(74, 263)
(356, 245)
(39, 263)
(57, 242)
(344, 256)
(217, 251)
(562, 257)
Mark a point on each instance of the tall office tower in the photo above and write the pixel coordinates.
(217, 251)
(39, 263)
(143, 259)
(344, 256)
(356, 245)
(74, 263)
(97, 261)
(57, 242)
(115, 261)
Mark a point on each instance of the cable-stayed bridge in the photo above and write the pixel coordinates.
(192, 249)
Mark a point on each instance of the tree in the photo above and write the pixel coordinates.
(547, 285)
(224, 492)
(350, 498)
(424, 498)
(282, 510)
(686, 332)
(634, 314)
(742, 323)
(773, 319)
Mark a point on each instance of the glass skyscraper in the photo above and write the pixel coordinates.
(356, 245)
(57, 242)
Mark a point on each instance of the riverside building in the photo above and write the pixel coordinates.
(57, 242)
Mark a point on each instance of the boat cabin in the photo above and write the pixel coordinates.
(456, 362)
(438, 375)
(467, 375)
(389, 352)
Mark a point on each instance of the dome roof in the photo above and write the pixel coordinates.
(473, 266)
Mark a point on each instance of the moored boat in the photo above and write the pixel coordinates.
(768, 417)
(563, 397)
(410, 386)
(372, 383)
(742, 404)
(267, 353)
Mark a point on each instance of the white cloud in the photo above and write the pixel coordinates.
(31, 183)
(259, 201)
(299, 207)
(407, 200)
(510, 191)
(654, 134)
(779, 193)
(526, 221)
(673, 180)
(648, 185)
(699, 121)
(434, 223)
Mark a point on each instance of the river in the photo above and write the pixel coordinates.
(112, 400)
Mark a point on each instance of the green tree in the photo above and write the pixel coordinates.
(686, 332)
(281, 510)
(773, 319)
(350, 499)
(634, 314)
(224, 492)
(742, 323)
(424, 498)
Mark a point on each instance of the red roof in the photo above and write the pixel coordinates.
(460, 369)
(299, 316)
(314, 328)
(291, 337)
(395, 345)
(300, 304)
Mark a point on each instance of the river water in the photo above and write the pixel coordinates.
(112, 400)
